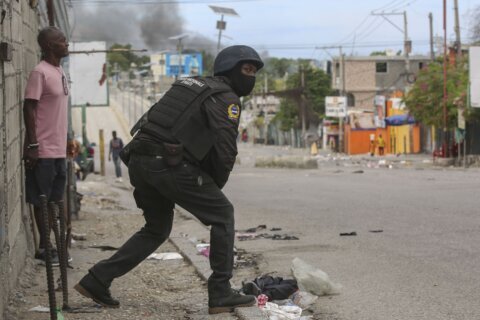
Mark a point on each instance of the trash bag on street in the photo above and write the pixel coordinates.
(303, 299)
(276, 312)
(275, 288)
(313, 280)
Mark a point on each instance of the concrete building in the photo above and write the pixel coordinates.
(362, 78)
(21, 21)
(166, 64)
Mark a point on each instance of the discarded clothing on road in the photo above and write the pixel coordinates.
(275, 288)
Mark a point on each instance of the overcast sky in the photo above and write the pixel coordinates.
(293, 28)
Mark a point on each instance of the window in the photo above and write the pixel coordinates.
(420, 65)
(350, 100)
(381, 67)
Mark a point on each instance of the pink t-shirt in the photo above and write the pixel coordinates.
(46, 85)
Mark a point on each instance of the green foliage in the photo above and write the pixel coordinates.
(425, 99)
(208, 60)
(124, 59)
(287, 116)
(317, 87)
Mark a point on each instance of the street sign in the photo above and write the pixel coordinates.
(336, 107)
(474, 56)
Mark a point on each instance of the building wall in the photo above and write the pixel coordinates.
(19, 29)
(363, 81)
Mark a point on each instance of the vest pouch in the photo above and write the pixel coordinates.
(173, 154)
(140, 123)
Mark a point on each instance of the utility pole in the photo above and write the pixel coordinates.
(344, 94)
(458, 44)
(222, 24)
(432, 52)
(407, 43)
(445, 130)
(302, 102)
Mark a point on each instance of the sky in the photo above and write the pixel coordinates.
(296, 28)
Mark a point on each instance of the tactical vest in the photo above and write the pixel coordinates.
(178, 115)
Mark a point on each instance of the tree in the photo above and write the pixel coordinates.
(476, 25)
(124, 59)
(317, 87)
(425, 100)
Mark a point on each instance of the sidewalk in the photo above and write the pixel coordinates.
(173, 289)
(285, 156)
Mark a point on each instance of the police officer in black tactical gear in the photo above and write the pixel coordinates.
(182, 153)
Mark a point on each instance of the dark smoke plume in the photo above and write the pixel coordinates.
(142, 26)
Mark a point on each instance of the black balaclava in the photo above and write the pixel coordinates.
(242, 84)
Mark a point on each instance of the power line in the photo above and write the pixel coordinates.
(151, 2)
(335, 46)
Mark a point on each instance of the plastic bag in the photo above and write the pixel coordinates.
(276, 312)
(313, 280)
(303, 299)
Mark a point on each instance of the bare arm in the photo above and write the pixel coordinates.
(30, 154)
(29, 118)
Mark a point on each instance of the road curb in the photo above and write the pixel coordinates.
(202, 267)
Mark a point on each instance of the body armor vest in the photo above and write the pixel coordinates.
(177, 116)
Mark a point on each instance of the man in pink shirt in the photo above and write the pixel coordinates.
(45, 115)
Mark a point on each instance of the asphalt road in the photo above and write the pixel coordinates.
(424, 265)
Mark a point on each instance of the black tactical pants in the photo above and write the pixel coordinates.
(157, 189)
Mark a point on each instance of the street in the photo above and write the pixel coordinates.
(420, 267)
(423, 264)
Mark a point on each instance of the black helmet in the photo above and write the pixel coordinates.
(228, 58)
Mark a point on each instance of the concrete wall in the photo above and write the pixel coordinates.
(19, 29)
(362, 80)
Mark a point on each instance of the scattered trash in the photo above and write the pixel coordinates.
(279, 237)
(276, 312)
(244, 259)
(276, 229)
(104, 248)
(253, 236)
(338, 171)
(376, 231)
(313, 280)
(251, 230)
(303, 299)
(203, 249)
(358, 171)
(79, 236)
(40, 309)
(246, 236)
(348, 234)
(262, 300)
(165, 256)
(275, 288)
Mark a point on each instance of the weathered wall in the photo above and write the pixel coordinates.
(19, 28)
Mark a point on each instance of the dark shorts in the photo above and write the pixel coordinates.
(48, 177)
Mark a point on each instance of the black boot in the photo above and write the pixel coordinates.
(229, 302)
(91, 288)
